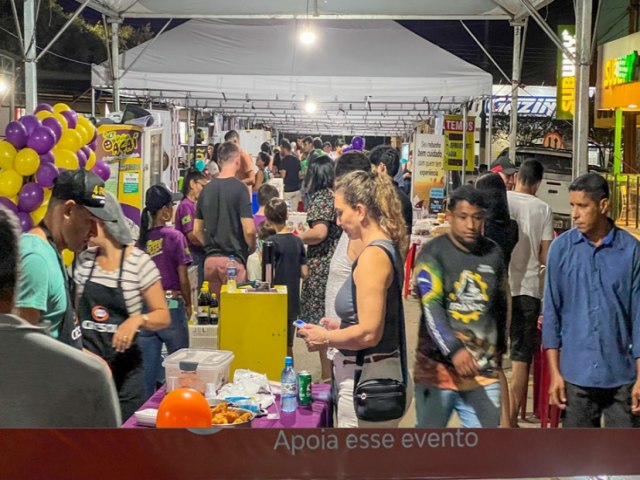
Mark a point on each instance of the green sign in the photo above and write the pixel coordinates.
(566, 74)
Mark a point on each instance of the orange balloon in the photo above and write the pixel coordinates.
(184, 408)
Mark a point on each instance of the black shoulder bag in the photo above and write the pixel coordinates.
(381, 399)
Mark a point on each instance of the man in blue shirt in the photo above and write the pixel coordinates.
(591, 324)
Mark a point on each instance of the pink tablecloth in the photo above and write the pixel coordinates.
(320, 414)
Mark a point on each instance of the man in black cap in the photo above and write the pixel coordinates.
(507, 171)
(44, 294)
(45, 384)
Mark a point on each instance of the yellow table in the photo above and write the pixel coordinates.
(253, 325)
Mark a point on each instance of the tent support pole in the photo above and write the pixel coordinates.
(489, 131)
(464, 143)
(18, 29)
(485, 51)
(115, 59)
(581, 115)
(547, 29)
(30, 68)
(515, 82)
(63, 29)
(93, 102)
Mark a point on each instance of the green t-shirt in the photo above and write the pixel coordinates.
(41, 285)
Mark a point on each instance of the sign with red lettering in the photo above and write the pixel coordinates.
(454, 130)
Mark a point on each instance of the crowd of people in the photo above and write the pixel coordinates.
(480, 287)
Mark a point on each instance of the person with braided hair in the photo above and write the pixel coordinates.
(369, 303)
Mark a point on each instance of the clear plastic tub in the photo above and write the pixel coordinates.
(213, 365)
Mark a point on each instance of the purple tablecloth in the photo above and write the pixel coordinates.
(320, 414)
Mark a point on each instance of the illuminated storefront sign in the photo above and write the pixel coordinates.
(566, 74)
(620, 70)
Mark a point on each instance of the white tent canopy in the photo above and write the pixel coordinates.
(366, 76)
(324, 9)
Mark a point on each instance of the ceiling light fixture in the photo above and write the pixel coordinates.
(308, 36)
(310, 107)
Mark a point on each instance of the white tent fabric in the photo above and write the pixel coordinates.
(325, 9)
(362, 74)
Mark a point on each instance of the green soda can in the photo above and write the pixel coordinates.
(304, 389)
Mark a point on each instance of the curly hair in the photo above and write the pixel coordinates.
(379, 196)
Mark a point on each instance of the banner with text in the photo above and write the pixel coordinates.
(428, 171)
(453, 142)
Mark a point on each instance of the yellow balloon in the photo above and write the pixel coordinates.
(91, 161)
(10, 183)
(27, 162)
(67, 159)
(90, 127)
(7, 155)
(70, 140)
(62, 120)
(61, 107)
(38, 214)
(67, 257)
(14, 199)
(47, 195)
(42, 114)
(83, 132)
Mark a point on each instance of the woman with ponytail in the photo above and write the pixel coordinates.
(369, 304)
(168, 248)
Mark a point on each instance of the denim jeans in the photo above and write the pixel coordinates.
(175, 336)
(477, 408)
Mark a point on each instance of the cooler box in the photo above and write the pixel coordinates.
(253, 325)
(213, 365)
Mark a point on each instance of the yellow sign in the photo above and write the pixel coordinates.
(428, 171)
(453, 142)
(566, 95)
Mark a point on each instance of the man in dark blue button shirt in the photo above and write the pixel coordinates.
(591, 324)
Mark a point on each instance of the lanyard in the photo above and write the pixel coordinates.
(68, 282)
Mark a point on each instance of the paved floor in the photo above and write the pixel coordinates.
(310, 361)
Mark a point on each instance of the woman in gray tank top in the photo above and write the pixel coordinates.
(369, 304)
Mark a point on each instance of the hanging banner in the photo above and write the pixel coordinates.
(428, 171)
(566, 74)
(453, 143)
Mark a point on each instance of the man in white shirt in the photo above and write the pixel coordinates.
(535, 223)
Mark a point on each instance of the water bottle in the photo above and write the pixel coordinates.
(232, 274)
(289, 380)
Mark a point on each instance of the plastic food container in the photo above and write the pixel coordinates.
(212, 365)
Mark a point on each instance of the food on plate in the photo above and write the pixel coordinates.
(223, 414)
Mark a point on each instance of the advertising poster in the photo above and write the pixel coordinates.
(428, 171)
(566, 74)
(121, 147)
(453, 142)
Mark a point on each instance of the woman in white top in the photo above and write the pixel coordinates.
(113, 280)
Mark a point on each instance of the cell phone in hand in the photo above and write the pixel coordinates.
(299, 323)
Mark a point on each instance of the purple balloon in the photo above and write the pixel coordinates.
(86, 150)
(25, 221)
(82, 158)
(53, 124)
(93, 144)
(42, 140)
(357, 143)
(43, 106)
(72, 118)
(46, 175)
(48, 157)
(102, 170)
(95, 137)
(31, 122)
(346, 149)
(16, 134)
(8, 204)
(30, 198)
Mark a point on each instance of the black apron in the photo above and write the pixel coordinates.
(69, 331)
(101, 310)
